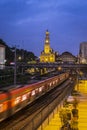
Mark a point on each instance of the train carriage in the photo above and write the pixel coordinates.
(16, 98)
(22, 96)
(19, 98)
(4, 105)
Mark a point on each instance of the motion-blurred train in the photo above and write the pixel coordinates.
(15, 98)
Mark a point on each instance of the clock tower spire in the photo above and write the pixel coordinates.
(47, 40)
(47, 43)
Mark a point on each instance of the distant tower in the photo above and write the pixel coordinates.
(47, 55)
(83, 52)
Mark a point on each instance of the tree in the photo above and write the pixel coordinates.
(9, 54)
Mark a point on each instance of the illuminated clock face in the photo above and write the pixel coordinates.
(46, 41)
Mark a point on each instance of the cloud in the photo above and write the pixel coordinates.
(65, 19)
(34, 19)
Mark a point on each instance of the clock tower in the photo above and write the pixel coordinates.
(47, 55)
(47, 43)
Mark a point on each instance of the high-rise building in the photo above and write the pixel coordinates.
(47, 55)
(83, 52)
(2, 56)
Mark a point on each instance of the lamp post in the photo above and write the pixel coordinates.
(15, 65)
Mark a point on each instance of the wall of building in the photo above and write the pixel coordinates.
(2, 56)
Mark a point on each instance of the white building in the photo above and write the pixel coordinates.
(2, 56)
(83, 52)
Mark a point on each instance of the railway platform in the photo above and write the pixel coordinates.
(55, 123)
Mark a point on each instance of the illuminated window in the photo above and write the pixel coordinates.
(53, 82)
(50, 84)
(33, 92)
(40, 89)
(1, 107)
(46, 59)
(17, 100)
(56, 81)
(24, 97)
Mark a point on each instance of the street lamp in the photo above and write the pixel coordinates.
(15, 65)
(19, 58)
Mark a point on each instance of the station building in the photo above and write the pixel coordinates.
(67, 57)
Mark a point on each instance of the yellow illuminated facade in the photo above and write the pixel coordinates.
(47, 55)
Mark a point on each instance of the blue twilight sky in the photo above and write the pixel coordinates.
(24, 22)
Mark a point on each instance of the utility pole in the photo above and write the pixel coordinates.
(15, 65)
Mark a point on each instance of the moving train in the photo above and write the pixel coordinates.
(14, 99)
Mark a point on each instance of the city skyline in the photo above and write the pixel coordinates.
(24, 23)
